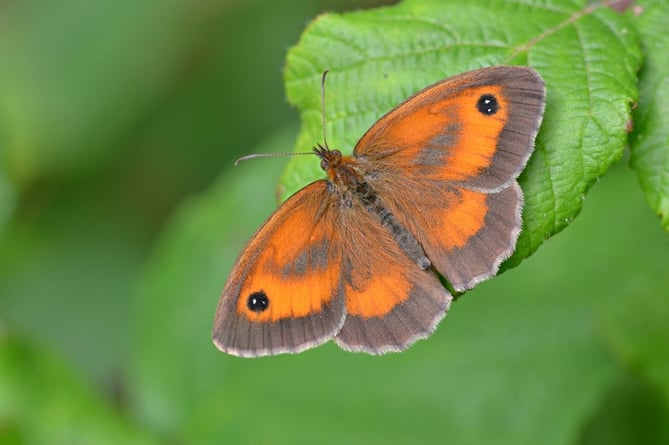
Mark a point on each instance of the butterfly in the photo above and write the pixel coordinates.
(430, 189)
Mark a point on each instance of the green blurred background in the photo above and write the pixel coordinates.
(120, 215)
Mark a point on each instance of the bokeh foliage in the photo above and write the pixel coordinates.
(120, 215)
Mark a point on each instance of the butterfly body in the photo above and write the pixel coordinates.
(348, 181)
(429, 189)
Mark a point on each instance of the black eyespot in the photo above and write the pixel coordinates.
(258, 301)
(487, 104)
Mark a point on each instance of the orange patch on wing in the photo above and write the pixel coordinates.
(461, 220)
(443, 135)
(418, 127)
(298, 268)
(415, 131)
(291, 297)
(377, 295)
(479, 134)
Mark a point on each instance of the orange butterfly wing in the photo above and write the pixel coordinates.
(445, 163)
(319, 268)
(284, 292)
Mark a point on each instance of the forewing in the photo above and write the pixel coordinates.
(476, 128)
(293, 263)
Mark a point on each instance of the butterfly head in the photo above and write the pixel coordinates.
(330, 159)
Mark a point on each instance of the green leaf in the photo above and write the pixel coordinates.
(42, 402)
(379, 57)
(650, 140)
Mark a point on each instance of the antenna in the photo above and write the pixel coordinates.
(325, 141)
(270, 155)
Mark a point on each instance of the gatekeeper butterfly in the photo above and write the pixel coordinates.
(431, 188)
